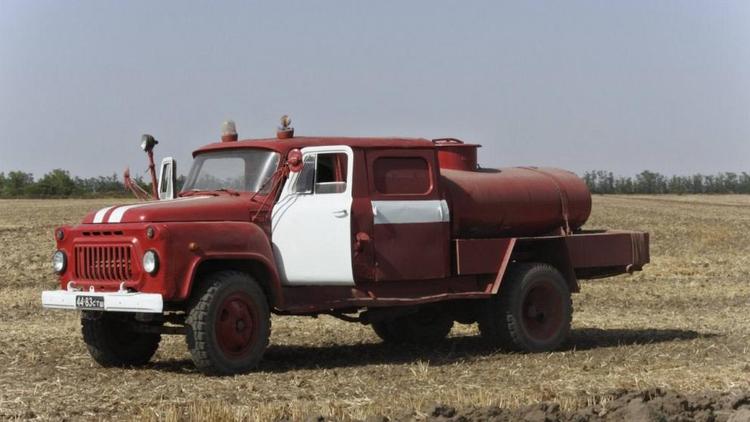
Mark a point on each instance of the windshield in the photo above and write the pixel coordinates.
(240, 170)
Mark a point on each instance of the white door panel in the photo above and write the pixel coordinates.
(311, 232)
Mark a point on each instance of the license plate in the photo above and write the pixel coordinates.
(89, 302)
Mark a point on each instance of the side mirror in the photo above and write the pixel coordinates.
(148, 142)
(167, 178)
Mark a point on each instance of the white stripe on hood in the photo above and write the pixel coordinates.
(99, 216)
(119, 212)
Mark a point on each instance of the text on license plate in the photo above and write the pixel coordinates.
(89, 302)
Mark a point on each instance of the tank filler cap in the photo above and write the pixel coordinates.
(454, 154)
(447, 141)
(285, 131)
(452, 142)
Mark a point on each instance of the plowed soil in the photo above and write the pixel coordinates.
(668, 343)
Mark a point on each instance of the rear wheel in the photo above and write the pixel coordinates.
(532, 312)
(228, 324)
(428, 325)
(112, 341)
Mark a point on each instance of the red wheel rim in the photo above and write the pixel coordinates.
(235, 325)
(542, 310)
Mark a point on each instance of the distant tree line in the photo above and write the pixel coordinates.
(649, 182)
(59, 184)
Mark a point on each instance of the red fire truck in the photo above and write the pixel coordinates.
(406, 235)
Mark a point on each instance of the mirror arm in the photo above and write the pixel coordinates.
(276, 178)
(133, 186)
(152, 170)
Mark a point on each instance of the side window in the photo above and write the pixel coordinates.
(330, 175)
(306, 178)
(402, 175)
(322, 173)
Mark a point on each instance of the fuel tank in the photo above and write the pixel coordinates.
(517, 201)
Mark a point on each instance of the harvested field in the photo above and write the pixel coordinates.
(682, 325)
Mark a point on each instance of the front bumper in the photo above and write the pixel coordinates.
(121, 301)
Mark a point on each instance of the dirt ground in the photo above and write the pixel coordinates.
(671, 341)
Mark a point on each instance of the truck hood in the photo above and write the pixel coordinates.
(192, 208)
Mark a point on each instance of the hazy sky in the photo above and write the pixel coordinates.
(618, 85)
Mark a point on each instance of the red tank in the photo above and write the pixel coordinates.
(517, 201)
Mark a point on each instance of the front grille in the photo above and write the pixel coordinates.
(104, 263)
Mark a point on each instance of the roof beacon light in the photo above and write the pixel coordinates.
(285, 131)
(228, 131)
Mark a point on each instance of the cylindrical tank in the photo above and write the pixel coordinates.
(518, 201)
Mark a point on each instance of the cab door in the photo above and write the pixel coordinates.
(411, 221)
(311, 221)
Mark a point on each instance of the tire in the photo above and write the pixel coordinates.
(111, 341)
(531, 313)
(426, 326)
(228, 324)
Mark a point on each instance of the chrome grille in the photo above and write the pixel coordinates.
(105, 263)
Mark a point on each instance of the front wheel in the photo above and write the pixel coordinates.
(112, 341)
(228, 324)
(532, 311)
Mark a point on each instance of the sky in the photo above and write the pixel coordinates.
(614, 85)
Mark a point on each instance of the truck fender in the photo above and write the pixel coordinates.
(237, 246)
(548, 250)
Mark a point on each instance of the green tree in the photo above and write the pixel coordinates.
(650, 182)
(17, 183)
(56, 183)
(731, 182)
(743, 183)
(624, 185)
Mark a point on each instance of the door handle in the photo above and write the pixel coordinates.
(340, 213)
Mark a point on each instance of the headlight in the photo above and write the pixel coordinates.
(59, 262)
(150, 262)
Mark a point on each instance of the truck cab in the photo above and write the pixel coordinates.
(358, 228)
(370, 206)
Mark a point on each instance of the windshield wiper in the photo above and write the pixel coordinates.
(229, 191)
(263, 186)
(213, 192)
(194, 192)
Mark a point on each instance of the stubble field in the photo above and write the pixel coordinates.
(680, 325)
